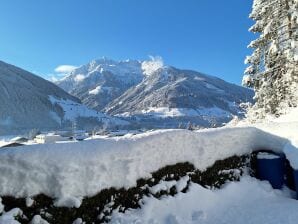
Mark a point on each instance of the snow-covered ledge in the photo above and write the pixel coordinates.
(70, 171)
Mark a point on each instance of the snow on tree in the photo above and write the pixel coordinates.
(273, 65)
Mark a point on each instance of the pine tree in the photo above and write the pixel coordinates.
(273, 65)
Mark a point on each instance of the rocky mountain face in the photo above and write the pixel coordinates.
(101, 81)
(29, 102)
(179, 96)
(149, 94)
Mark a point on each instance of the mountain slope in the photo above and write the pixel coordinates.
(28, 101)
(144, 92)
(181, 94)
(101, 81)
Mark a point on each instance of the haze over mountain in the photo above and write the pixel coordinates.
(144, 92)
(28, 101)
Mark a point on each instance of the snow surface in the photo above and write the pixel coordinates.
(99, 89)
(78, 221)
(164, 112)
(247, 201)
(38, 220)
(210, 86)
(9, 217)
(29, 202)
(73, 110)
(286, 127)
(167, 185)
(74, 170)
(1, 206)
(70, 171)
(264, 155)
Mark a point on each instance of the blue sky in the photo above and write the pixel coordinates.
(207, 36)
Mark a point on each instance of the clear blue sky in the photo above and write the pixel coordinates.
(208, 36)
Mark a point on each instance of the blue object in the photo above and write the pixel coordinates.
(272, 169)
(296, 181)
(289, 176)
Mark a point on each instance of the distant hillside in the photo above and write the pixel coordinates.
(182, 95)
(28, 101)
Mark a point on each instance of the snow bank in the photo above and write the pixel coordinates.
(264, 155)
(247, 201)
(9, 217)
(286, 127)
(73, 170)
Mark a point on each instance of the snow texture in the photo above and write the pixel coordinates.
(264, 155)
(38, 220)
(78, 221)
(1, 206)
(74, 170)
(167, 185)
(248, 201)
(9, 217)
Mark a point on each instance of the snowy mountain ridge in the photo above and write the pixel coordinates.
(145, 91)
(100, 81)
(180, 96)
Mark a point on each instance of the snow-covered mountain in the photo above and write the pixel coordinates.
(28, 101)
(182, 95)
(101, 81)
(144, 92)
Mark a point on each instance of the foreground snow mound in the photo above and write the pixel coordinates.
(248, 201)
(70, 171)
(285, 126)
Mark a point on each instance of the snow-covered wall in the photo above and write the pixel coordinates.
(74, 170)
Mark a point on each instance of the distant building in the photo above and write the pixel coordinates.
(49, 138)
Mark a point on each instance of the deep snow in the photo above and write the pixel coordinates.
(249, 201)
(71, 171)
(74, 170)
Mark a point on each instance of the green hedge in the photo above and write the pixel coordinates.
(97, 209)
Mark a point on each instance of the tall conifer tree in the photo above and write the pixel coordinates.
(273, 65)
